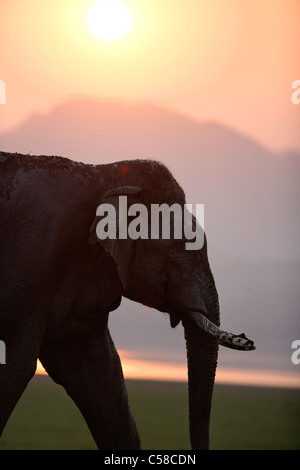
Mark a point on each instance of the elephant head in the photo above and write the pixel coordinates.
(161, 273)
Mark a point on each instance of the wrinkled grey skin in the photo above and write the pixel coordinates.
(58, 284)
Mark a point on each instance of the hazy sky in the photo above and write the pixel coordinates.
(232, 61)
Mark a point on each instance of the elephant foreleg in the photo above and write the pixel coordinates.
(20, 366)
(89, 369)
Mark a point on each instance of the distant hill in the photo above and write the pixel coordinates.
(250, 193)
(251, 197)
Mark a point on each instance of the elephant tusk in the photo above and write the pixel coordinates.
(229, 340)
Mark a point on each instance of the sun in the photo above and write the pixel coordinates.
(109, 20)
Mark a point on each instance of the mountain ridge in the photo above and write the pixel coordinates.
(74, 109)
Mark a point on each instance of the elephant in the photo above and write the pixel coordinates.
(59, 281)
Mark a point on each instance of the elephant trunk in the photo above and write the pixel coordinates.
(202, 352)
(202, 340)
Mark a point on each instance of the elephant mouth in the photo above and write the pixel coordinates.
(229, 340)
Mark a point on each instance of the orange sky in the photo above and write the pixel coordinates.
(229, 60)
(134, 368)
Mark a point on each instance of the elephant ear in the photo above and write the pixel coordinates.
(120, 249)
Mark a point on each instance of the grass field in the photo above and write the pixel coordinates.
(242, 418)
